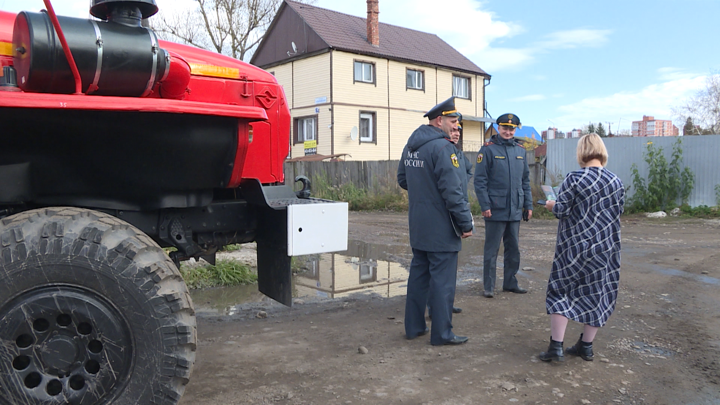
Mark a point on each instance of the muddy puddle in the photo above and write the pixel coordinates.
(380, 270)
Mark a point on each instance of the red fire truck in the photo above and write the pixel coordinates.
(113, 145)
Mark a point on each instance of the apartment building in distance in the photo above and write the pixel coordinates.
(649, 126)
(554, 133)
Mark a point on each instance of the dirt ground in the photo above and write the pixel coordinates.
(661, 346)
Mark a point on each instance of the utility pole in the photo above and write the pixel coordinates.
(609, 128)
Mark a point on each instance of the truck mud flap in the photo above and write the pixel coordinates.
(273, 262)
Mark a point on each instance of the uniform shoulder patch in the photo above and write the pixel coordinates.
(454, 160)
(480, 158)
(488, 143)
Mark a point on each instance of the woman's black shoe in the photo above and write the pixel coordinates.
(554, 352)
(582, 349)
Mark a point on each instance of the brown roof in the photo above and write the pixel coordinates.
(349, 33)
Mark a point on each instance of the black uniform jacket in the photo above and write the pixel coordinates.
(436, 181)
(502, 179)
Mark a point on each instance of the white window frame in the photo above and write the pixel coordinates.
(461, 86)
(364, 72)
(418, 77)
(303, 125)
(370, 135)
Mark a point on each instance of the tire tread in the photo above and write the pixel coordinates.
(136, 257)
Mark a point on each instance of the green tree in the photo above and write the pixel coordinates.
(591, 128)
(600, 130)
(689, 128)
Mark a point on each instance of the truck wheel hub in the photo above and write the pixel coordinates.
(65, 341)
(59, 355)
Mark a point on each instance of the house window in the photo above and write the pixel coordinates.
(461, 87)
(306, 129)
(415, 79)
(306, 133)
(364, 72)
(368, 127)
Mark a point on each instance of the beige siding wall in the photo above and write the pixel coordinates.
(403, 125)
(347, 117)
(311, 80)
(347, 91)
(472, 106)
(401, 97)
(472, 136)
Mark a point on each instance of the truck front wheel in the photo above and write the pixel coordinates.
(92, 311)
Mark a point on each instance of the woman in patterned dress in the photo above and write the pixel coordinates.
(583, 284)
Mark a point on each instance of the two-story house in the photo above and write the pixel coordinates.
(361, 87)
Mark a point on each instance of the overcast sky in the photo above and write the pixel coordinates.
(553, 63)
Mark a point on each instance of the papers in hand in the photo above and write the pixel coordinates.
(550, 192)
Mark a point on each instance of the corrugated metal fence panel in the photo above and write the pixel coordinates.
(700, 154)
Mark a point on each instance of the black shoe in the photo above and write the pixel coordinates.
(582, 349)
(488, 294)
(554, 352)
(423, 333)
(456, 340)
(516, 290)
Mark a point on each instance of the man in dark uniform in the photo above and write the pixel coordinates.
(454, 138)
(439, 217)
(502, 186)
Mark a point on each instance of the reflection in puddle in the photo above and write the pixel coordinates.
(224, 300)
(335, 275)
(680, 273)
(365, 268)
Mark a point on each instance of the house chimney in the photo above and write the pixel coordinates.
(373, 31)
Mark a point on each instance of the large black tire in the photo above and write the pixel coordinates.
(92, 311)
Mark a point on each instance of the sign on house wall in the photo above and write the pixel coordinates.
(310, 147)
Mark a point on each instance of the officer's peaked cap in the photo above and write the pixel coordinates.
(444, 109)
(511, 120)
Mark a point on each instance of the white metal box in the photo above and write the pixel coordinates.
(317, 228)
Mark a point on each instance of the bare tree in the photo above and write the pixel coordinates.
(230, 27)
(703, 109)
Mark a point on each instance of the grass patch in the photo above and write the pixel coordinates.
(701, 211)
(359, 199)
(225, 273)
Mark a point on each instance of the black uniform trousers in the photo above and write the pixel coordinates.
(509, 233)
(432, 275)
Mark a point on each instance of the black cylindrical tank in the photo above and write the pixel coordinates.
(113, 59)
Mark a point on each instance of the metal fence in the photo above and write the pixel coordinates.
(700, 154)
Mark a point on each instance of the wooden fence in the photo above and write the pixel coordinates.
(375, 176)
